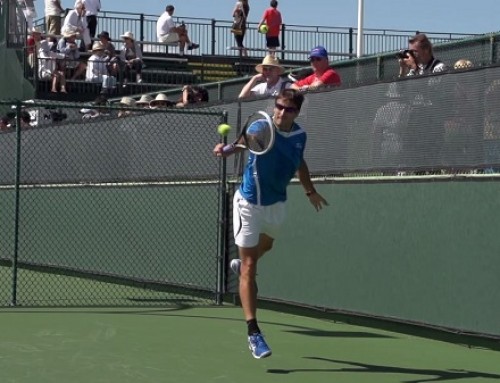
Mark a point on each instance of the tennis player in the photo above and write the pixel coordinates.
(259, 204)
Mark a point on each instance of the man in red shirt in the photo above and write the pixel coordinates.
(323, 74)
(272, 18)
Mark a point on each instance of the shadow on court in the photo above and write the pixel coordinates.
(356, 367)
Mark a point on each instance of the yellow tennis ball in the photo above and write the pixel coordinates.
(224, 129)
(263, 28)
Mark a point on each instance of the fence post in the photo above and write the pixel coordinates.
(213, 38)
(141, 27)
(283, 27)
(351, 46)
(16, 215)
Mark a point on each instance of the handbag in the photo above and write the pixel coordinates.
(237, 27)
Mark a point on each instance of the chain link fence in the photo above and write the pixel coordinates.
(109, 210)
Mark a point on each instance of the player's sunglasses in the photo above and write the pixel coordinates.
(286, 109)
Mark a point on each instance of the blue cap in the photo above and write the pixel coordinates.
(318, 51)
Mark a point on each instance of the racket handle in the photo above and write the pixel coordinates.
(228, 148)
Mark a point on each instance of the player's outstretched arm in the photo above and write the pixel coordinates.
(315, 198)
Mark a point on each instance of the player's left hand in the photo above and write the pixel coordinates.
(317, 201)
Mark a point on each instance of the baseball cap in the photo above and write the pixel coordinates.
(318, 51)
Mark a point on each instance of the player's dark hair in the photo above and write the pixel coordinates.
(274, 3)
(292, 95)
(169, 8)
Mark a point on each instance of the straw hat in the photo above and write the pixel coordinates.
(70, 31)
(128, 35)
(160, 99)
(269, 61)
(127, 101)
(463, 64)
(97, 46)
(37, 29)
(144, 100)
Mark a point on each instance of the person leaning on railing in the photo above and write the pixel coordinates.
(192, 95)
(322, 74)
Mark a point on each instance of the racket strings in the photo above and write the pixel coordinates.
(259, 135)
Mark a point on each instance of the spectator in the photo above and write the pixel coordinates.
(240, 16)
(33, 44)
(48, 67)
(272, 18)
(161, 101)
(126, 103)
(75, 21)
(93, 7)
(144, 101)
(97, 64)
(53, 12)
(191, 95)
(99, 108)
(4, 123)
(67, 46)
(268, 81)
(131, 57)
(463, 64)
(114, 63)
(168, 32)
(322, 74)
(419, 59)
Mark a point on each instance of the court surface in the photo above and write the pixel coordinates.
(209, 345)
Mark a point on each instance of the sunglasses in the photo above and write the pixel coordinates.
(287, 109)
(315, 58)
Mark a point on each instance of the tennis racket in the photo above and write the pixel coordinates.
(257, 134)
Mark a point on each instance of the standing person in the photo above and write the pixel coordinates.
(92, 9)
(75, 20)
(322, 73)
(168, 32)
(268, 80)
(272, 18)
(259, 204)
(240, 16)
(53, 11)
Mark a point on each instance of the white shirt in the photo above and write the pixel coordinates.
(96, 68)
(262, 89)
(164, 25)
(75, 20)
(52, 8)
(92, 7)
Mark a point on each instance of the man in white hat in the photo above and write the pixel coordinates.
(161, 101)
(67, 46)
(97, 64)
(268, 80)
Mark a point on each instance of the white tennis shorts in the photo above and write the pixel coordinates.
(249, 220)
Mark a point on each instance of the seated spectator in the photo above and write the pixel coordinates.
(97, 64)
(67, 46)
(463, 64)
(99, 108)
(192, 95)
(125, 103)
(131, 56)
(168, 32)
(48, 67)
(75, 20)
(419, 59)
(322, 74)
(144, 101)
(4, 123)
(161, 101)
(33, 44)
(114, 63)
(268, 81)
